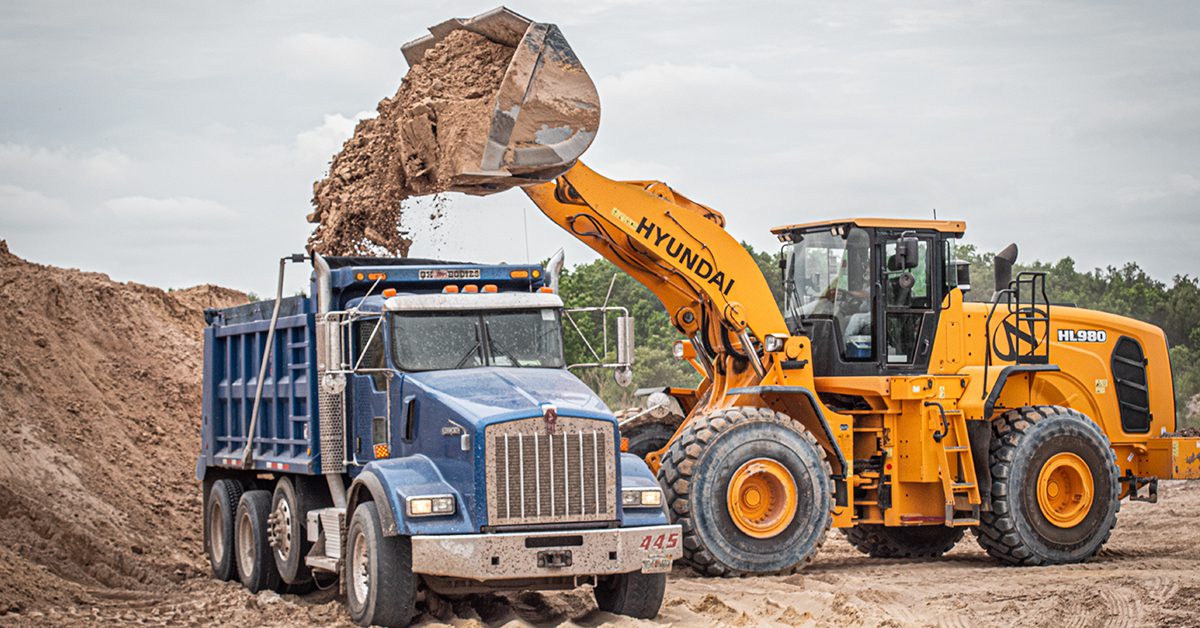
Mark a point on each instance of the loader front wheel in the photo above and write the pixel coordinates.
(910, 542)
(1055, 488)
(752, 491)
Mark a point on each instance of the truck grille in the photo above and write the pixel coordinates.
(539, 476)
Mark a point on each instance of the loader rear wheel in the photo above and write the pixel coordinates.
(911, 542)
(752, 491)
(1055, 488)
(644, 437)
(220, 510)
(256, 566)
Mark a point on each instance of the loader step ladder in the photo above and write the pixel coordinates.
(956, 468)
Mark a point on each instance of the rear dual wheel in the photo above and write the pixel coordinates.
(1055, 488)
(752, 491)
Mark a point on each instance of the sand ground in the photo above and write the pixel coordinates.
(1149, 574)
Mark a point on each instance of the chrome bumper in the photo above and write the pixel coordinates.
(647, 549)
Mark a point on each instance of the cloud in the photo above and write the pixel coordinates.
(320, 143)
(22, 163)
(174, 211)
(322, 57)
(22, 209)
(1176, 185)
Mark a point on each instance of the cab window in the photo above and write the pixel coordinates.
(907, 300)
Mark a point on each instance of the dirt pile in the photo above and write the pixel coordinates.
(422, 135)
(99, 415)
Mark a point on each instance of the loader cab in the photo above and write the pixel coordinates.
(868, 292)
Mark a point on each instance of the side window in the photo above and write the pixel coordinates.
(907, 299)
(370, 353)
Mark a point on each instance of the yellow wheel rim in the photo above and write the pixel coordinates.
(1065, 490)
(762, 498)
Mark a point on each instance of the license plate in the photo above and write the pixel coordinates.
(656, 565)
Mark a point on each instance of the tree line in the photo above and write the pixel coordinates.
(1125, 290)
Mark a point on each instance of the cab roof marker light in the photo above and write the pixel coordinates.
(450, 290)
(470, 288)
(491, 288)
(519, 274)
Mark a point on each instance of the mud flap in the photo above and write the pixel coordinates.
(979, 433)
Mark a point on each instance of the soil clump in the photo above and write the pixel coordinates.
(431, 128)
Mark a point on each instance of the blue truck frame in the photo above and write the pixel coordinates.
(424, 436)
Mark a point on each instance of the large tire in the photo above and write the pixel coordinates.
(880, 541)
(1020, 530)
(381, 588)
(289, 508)
(696, 474)
(220, 512)
(256, 566)
(635, 594)
(645, 436)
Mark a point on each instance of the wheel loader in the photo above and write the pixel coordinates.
(878, 401)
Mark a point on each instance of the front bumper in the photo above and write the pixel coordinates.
(547, 554)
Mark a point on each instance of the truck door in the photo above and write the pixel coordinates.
(368, 417)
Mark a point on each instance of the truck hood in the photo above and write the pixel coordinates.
(480, 394)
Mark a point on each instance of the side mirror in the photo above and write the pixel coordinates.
(906, 250)
(1002, 265)
(625, 340)
(963, 275)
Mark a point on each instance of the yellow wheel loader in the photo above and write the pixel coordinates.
(878, 401)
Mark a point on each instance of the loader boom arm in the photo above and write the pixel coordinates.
(710, 285)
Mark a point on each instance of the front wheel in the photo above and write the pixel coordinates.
(381, 588)
(752, 491)
(1055, 488)
(635, 594)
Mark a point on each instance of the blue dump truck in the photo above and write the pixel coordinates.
(410, 431)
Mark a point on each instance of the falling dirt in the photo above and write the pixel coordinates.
(430, 129)
(99, 407)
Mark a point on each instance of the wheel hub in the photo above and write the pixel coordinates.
(245, 544)
(1065, 490)
(280, 529)
(762, 498)
(360, 577)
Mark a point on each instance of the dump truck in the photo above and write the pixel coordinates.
(410, 430)
(878, 400)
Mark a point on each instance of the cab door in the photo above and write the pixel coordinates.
(911, 297)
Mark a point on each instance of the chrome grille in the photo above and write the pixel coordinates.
(539, 476)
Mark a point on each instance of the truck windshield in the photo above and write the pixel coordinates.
(438, 341)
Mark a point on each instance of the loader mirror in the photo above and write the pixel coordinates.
(906, 253)
(963, 272)
(1003, 265)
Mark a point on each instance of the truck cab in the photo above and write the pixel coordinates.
(424, 422)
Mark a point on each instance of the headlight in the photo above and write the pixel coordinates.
(429, 505)
(677, 350)
(774, 342)
(641, 498)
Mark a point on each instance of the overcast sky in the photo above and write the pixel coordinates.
(175, 143)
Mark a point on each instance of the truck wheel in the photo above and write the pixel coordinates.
(220, 509)
(752, 491)
(910, 542)
(1055, 488)
(634, 594)
(286, 533)
(256, 567)
(381, 588)
(647, 436)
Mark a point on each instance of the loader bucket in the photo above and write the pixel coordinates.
(545, 113)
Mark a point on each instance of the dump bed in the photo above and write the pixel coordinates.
(234, 345)
(288, 430)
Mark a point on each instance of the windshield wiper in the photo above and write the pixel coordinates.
(473, 350)
(495, 349)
